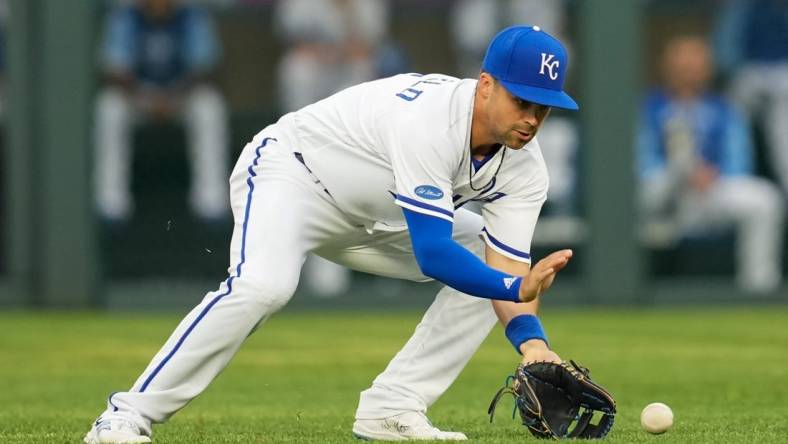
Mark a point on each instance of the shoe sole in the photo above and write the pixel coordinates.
(93, 438)
(361, 437)
(393, 437)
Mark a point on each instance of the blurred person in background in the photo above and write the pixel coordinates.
(157, 57)
(751, 46)
(3, 26)
(473, 24)
(695, 162)
(331, 45)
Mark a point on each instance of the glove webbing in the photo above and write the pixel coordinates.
(541, 426)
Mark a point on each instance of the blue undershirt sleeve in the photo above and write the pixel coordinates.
(443, 259)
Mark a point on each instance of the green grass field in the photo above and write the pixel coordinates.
(723, 371)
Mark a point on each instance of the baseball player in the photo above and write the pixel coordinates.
(157, 57)
(374, 178)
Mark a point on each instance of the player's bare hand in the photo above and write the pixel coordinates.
(535, 350)
(542, 275)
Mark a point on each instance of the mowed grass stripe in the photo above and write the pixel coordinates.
(723, 371)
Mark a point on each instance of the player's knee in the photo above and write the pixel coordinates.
(273, 292)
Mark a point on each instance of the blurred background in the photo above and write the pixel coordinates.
(120, 121)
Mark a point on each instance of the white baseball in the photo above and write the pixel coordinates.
(656, 418)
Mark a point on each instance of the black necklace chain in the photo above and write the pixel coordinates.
(470, 171)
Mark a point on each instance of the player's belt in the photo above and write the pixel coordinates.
(300, 158)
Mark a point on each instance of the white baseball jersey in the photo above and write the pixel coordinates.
(376, 147)
(404, 141)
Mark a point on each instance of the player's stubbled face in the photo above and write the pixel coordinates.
(516, 121)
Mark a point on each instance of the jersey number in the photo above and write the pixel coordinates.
(412, 93)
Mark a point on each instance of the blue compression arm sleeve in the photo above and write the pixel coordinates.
(443, 259)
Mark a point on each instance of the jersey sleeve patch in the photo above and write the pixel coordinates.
(429, 192)
(500, 247)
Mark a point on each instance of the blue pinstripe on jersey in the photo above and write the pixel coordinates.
(419, 204)
(505, 247)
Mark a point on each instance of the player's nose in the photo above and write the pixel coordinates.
(529, 117)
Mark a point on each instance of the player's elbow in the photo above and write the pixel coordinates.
(429, 270)
(430, 257)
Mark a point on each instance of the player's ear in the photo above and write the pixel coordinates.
(485, 85)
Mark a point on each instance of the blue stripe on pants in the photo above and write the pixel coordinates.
(229, 280)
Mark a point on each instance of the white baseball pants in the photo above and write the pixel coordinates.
(752, 205)
(763, 87)
(281, 214)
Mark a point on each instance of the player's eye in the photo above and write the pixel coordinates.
(538, 109)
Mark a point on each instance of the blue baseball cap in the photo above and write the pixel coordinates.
(530, 64)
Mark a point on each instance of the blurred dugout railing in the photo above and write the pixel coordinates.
(56, 254)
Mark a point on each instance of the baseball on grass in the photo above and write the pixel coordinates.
(656, 418)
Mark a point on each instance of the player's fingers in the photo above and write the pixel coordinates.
(560, 264)
(567, 253)
(541, 275)
(553, 261)
(562, 255)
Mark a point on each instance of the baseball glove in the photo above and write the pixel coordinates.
(549, 397)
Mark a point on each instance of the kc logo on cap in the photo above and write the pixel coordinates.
(531, 64)
(549, 64)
